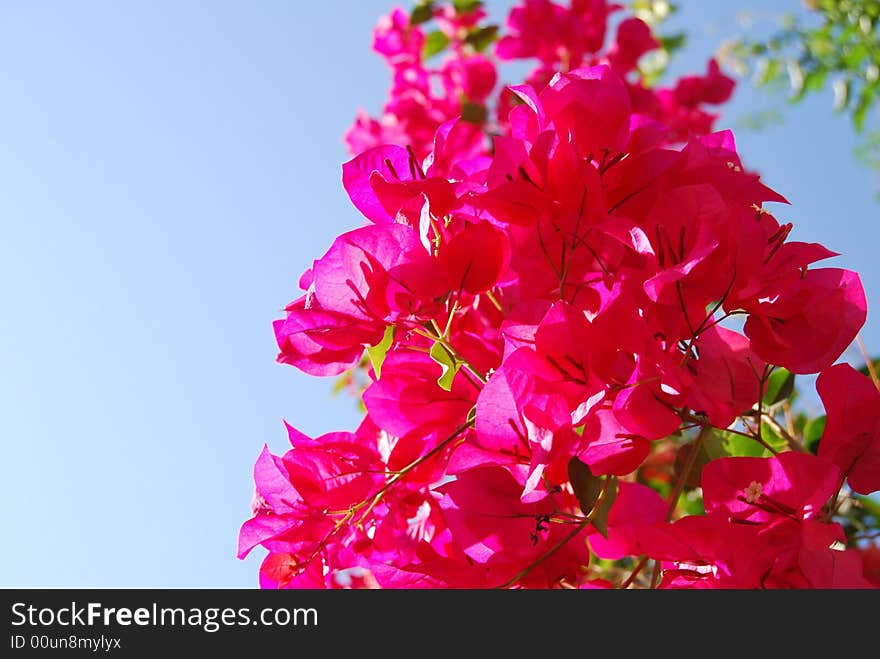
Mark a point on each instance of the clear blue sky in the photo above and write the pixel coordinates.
(167, 170)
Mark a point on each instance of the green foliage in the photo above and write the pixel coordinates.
(813, 430)
(655, 12)
(482, 37)
(870, 506)
(443, 356)
(780, 386)
(465, 6)
(474, 112)
(860, 517)
(673, 42)
(422, 13)
(710, 448)
(377, 352)
(690, 502)
(435, 42)
(599, 520)
(836, 42)
(595, 494)
(738, 445)
(772, 438)
(587, 487)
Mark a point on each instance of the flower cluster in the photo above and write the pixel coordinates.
(542, 318)
(557, 38)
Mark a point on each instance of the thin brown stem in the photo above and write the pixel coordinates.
(685, 473)
(636, 570)
(872, 370)
(559, 545)
(375, 498)
(793, 443)
(493, 300)
(655, 578)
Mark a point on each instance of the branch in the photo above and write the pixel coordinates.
(559, 545)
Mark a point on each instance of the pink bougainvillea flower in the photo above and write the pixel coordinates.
(610, 447)
(851, 438)
(792, 485)
(497, 530)
(377, 272)
(566, 341)
(807, 325)
(407, 398)
(634, 39)
(382, 180)
(333, 471)
(549, 273)
(520, 412)
(708, 552)
(591, 108)
(635, 506)
(475, 258)
(728, 376)
(765, 528)
(551, 32)
(391, 161)
(321, 342)
(475, 76)
(286, 571)
(534, 31)
(645, 407)
(394, 38)
(714, 87)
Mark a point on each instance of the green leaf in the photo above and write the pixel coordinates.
(652, 66)
(819, 44)
(464, 6)
(854, 56)
(711, 448)
(441, 355)
(867, 98)
(768, 70)
(780, 386)
(600, 517)
(422, 13)
(868, 154)
(472, 414)
(691, 503)
(870, 505)
(812, 82)
(739, 446)
(474, 113)
(482, 37)
(587, 487)
(815, 79)
(377, 352)
(773, 438)
(340, 383)
(813, 433)
(435, 42)
(672, 42)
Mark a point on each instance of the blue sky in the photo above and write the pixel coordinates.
(167, 171)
